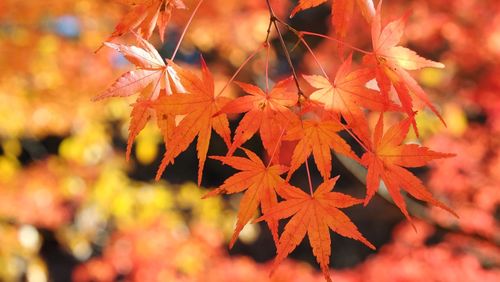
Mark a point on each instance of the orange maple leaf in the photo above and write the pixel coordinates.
(391, 63)
(260, 183)
(141, 113)
(342, 11)
(347, 93)
(164, 119)
(199, 107)
(145, 16)
(151, 78)
(151, 69)
(267, 113)
(315, 215)
(386, 159)
(318, 137)
(305, 4)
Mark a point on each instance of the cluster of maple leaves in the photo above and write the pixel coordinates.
(187, 106)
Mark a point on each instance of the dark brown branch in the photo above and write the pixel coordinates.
(272, 20)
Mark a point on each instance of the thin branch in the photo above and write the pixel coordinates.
(335, 40)
(314, 56)
(268, 32)
(274, 19)
(240, 68)
(301, 38)
(352, 135)
(267, 68)
(288, 58)
(301, 33)
(268, 47)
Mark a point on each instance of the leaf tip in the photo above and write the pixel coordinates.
(233, 240)
(370, 245)
(161, 169)
(210, 194)
(259, 219)
(439, 65)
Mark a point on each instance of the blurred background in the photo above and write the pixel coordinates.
(72, 209)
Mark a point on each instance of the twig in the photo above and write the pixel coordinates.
(240, 68)
(273, 20)
(334, 39)
(185, 30)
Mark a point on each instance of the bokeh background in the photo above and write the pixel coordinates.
(71, 208)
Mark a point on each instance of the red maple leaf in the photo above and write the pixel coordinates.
(305, 4)
(199, 107)
(314, 215)
(259, 181)
(268, 113)
(151, 77)
(342, 11)
(386, 160)
(318, 137)
(392, 62)
(347, 94)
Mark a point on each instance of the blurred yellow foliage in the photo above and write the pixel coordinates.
(431, 77)
(147, 143)
(88, 145)
(8, 168)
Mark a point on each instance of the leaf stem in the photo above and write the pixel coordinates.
(185, 29)
(240, 68)
(335, 40)
(354, 136)
(304, 42)
(314, 56)
(276, 147)
(300, 36)
(309, 177)
(268, 47)
(267, 68)
(273, 20)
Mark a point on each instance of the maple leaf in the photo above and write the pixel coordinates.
(145, 16)
(199, 107)
(392, 62)
(318, 137)
(342, 11)
(305, 4)
(341, 16)
(151, 69)
(347, 93)
(141, 112)
(267, 113)
(260, 183)
(151, 78)
(315, 215)
(165, 120)
(386, 159)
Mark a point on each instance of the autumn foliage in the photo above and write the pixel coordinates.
(170, 92)
(298, 106)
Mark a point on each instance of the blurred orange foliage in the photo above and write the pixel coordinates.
(71, 208)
